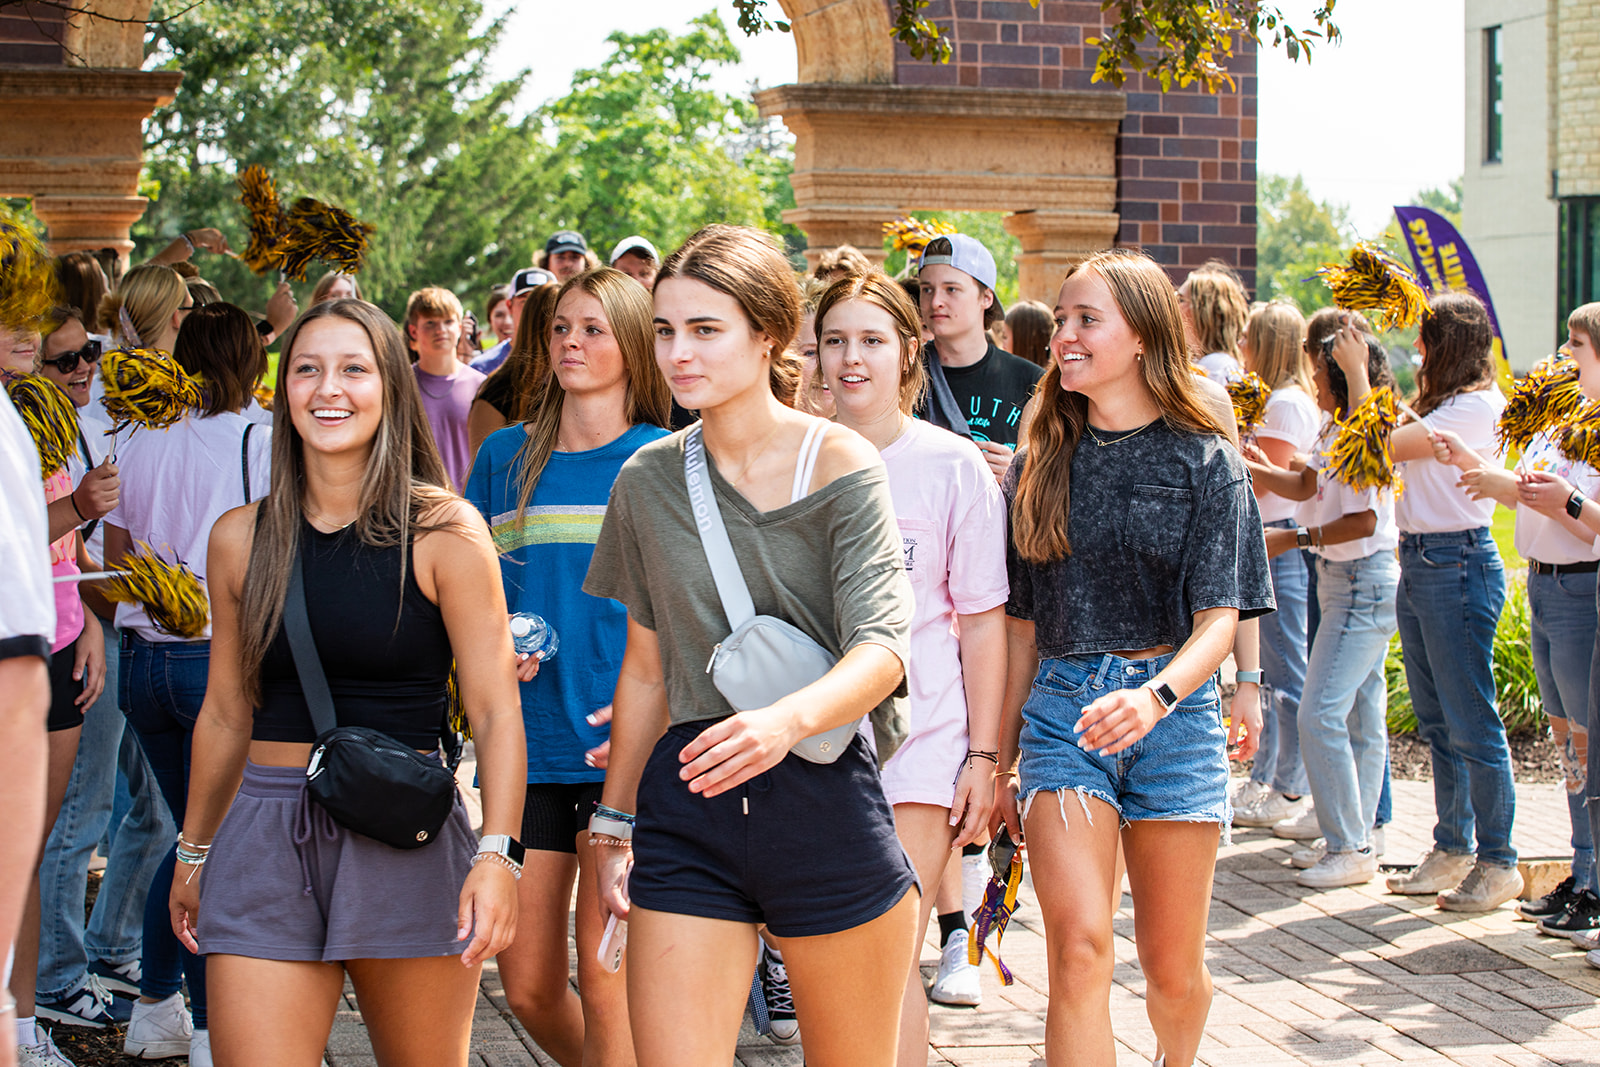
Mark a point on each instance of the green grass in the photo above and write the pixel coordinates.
(1502, 526)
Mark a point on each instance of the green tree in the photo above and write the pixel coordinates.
(647, 146)
(1296, 234)
(384, 109)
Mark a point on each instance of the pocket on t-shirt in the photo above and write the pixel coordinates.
(1158, 519)
(922, 541)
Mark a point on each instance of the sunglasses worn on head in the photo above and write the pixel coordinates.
(67, 362)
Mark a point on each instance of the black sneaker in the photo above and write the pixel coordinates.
(1581, 916)
(1551, 904)
(784, 1025)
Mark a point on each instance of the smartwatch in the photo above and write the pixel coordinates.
(1164, 695)
(502, 845)
(1575, 504)
(264, 328)
(1253, 677)
(1302, 537)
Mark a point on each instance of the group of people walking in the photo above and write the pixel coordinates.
(698, 475)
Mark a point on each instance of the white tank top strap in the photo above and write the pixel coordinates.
(806, 465)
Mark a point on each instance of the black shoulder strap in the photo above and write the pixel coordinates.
(244, 459)
(307, 664)
(942, 407)
(88, 465)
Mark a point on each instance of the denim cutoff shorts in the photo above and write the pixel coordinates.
(1177, 772)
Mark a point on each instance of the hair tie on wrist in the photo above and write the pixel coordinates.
(73, 497)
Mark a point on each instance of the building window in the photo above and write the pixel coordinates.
(1580, 267)
(1494, 94)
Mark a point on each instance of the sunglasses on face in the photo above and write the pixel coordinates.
(67, 362)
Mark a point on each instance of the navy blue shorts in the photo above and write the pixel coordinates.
(806, 848)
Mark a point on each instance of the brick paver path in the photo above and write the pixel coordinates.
(1349, 976)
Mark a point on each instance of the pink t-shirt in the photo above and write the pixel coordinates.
(952, 525)
(64, 561)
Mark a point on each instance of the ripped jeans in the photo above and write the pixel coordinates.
(1561, 626)
(1177, 772)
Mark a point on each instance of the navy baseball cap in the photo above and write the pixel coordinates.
(565, 241)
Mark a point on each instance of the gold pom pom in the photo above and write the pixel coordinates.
(52, 420)
(1579, 439)
(1375, 281)
(146, 387)
(170, 593)
(259, 196)
(1249, 395)
(1546, 396)
(314, 230)
(911, 234)
(28, 286)
(1360, 454)
(263, 394)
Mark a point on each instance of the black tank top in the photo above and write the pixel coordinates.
(390, 677)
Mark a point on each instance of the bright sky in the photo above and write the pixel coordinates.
(1367, 124)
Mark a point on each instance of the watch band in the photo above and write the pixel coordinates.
(1302, 537)
(1253, 677)
(1575, 504)
(503, 845)
(610, 827)
(1164, 694)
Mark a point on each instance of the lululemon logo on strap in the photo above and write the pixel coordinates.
(422, 835)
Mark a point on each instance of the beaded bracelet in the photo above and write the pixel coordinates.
(503, 860)
(606, 812)
(608, 839)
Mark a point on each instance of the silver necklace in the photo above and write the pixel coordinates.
(1117, 440)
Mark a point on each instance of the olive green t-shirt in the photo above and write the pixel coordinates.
(829, 563)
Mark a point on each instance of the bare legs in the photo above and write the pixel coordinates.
(1170, 867)
(926, 834)
(63, 749)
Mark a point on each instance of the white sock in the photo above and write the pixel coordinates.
(26, 1032)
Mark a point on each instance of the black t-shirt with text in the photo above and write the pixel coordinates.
(991, 392)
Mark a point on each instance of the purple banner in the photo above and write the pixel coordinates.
(1444, 262)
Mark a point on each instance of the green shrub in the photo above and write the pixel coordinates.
(1516, 687)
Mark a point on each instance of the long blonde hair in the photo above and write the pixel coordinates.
(405, 479)
(1276, 333)
(1144, 296)
(151, 294)
(628, 312)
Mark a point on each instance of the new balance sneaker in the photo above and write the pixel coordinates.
(1438, 871)
(1485, 888)
(90, 1006)
(1551, 904)
(1581, 916)
(1267, 808)
(44, 1054)
(957, 980)
(120, 978)
(1340, 868)
(1301, 826)
(159, 1031)
(784, 1026)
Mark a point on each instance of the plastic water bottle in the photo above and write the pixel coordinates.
(531, 635)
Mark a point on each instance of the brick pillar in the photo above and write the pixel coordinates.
(831, 225)
(1052, 241)
(90, 222)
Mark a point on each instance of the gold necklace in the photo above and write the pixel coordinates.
(329, 522)
(1118, 440)
(759, 452)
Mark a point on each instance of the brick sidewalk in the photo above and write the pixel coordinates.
(1354, 976)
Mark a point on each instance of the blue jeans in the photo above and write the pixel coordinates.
(116, 925)
(1562, 618)
(1283, 674)
(1452, 587)
(162, 686)
(1344, 733)
(1313, 618)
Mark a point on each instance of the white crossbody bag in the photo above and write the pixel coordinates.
(765, 658)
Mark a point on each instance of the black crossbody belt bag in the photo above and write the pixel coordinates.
(366, 780)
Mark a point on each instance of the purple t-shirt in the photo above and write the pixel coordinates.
(447, 402)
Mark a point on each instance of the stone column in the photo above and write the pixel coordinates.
(831, 225)
(1052, 241)
(90, 222)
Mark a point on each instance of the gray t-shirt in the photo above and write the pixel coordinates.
(830, 563)
(1162, 524)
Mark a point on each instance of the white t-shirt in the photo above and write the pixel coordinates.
(28, 608)
(1220, 367)
(93, 426)
(952, 526)
(1542, 538)
(1291, 416)
(176, 483)
(1334, 499)
(1431, 501)
(257, 414)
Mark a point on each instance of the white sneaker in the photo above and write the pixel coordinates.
(1592, 958)
(1379, 842)
(1301, 826)
(1244, 791)
(1485, 888)
(1438, 871)
(1588, 940)
(200, 1048)
(1267, 808)
(44, 1054)
(957, 981)
(159, 1031)
(1340, 868)
(1306, 858)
